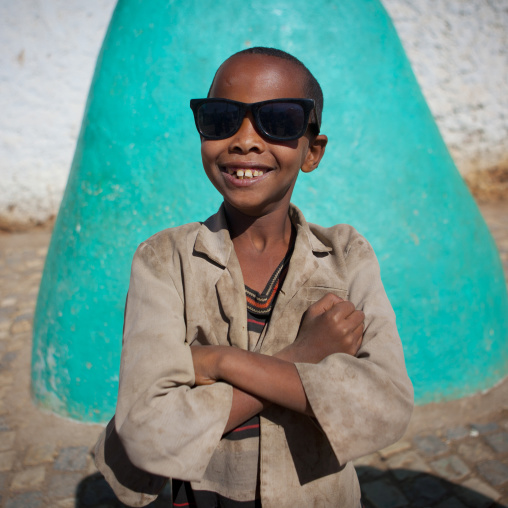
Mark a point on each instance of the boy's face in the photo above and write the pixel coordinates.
(254, 78)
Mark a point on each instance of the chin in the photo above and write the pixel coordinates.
(253, 209)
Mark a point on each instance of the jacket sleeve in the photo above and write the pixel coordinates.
(167, 426)
(362, 403)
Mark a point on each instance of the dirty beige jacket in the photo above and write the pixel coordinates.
(187, 287)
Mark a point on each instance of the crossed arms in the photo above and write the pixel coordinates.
(331, 325)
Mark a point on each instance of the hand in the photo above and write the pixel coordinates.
(205, 360)
(331, 325)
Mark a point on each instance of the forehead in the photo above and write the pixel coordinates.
(253, 78)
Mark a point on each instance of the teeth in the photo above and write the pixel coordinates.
(245, 173)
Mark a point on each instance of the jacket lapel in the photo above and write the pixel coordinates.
(232, 301)
(229, 317)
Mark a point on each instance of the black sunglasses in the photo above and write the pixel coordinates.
(276, 119)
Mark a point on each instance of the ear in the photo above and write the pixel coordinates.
(315, 153)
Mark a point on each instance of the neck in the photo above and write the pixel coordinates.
(263, 232)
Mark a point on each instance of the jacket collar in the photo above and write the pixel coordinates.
(214, 241)
(301, 224)
(213, 238)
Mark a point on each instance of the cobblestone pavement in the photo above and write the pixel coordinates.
(454, 455)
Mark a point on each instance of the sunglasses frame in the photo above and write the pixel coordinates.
(307, 105)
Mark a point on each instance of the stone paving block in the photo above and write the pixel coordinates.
(34, 263)
(31, 478)
(451, 468)
(498, 441)
(3, 424)
(38, 454)
(66, 503)
(8, 302)
(22, 324)
(495, 472)
(6, 378)
(72, 458)
(477, 494)
(383, 494)
(366, 460)
(8, 358)
(6, 314)
(64, 485)
(18, 342)
(451, 502)
(8, 306)
(26, 500)
(7, 460)
(485, 428)
(26, 312)
(430, 445)
(456, 433)
(474, 450)
(398, 447)
(424, 490)
(7, 440)
(407, 464)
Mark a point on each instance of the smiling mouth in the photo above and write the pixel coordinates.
(242, 173)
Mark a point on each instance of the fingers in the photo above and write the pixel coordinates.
(357, 338)
(324, 304)
(350, 331)
(348, 323)
(355, 318)
(345, 310)
(341, 313)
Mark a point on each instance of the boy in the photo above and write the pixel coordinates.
(316, 376)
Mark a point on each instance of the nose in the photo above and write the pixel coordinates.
(247, 139)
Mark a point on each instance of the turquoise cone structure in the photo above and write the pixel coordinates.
(137, 170)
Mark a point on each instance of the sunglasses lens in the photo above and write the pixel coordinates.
(218, 119)
(282, 119)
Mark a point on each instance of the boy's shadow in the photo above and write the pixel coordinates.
(416, 490)
(379, 490)
(94, 492)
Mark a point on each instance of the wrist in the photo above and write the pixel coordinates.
(288, 354)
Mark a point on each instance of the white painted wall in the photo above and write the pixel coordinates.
(458, 49)
(47, 58)
(459, 53)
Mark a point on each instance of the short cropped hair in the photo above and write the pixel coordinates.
(311, 87)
